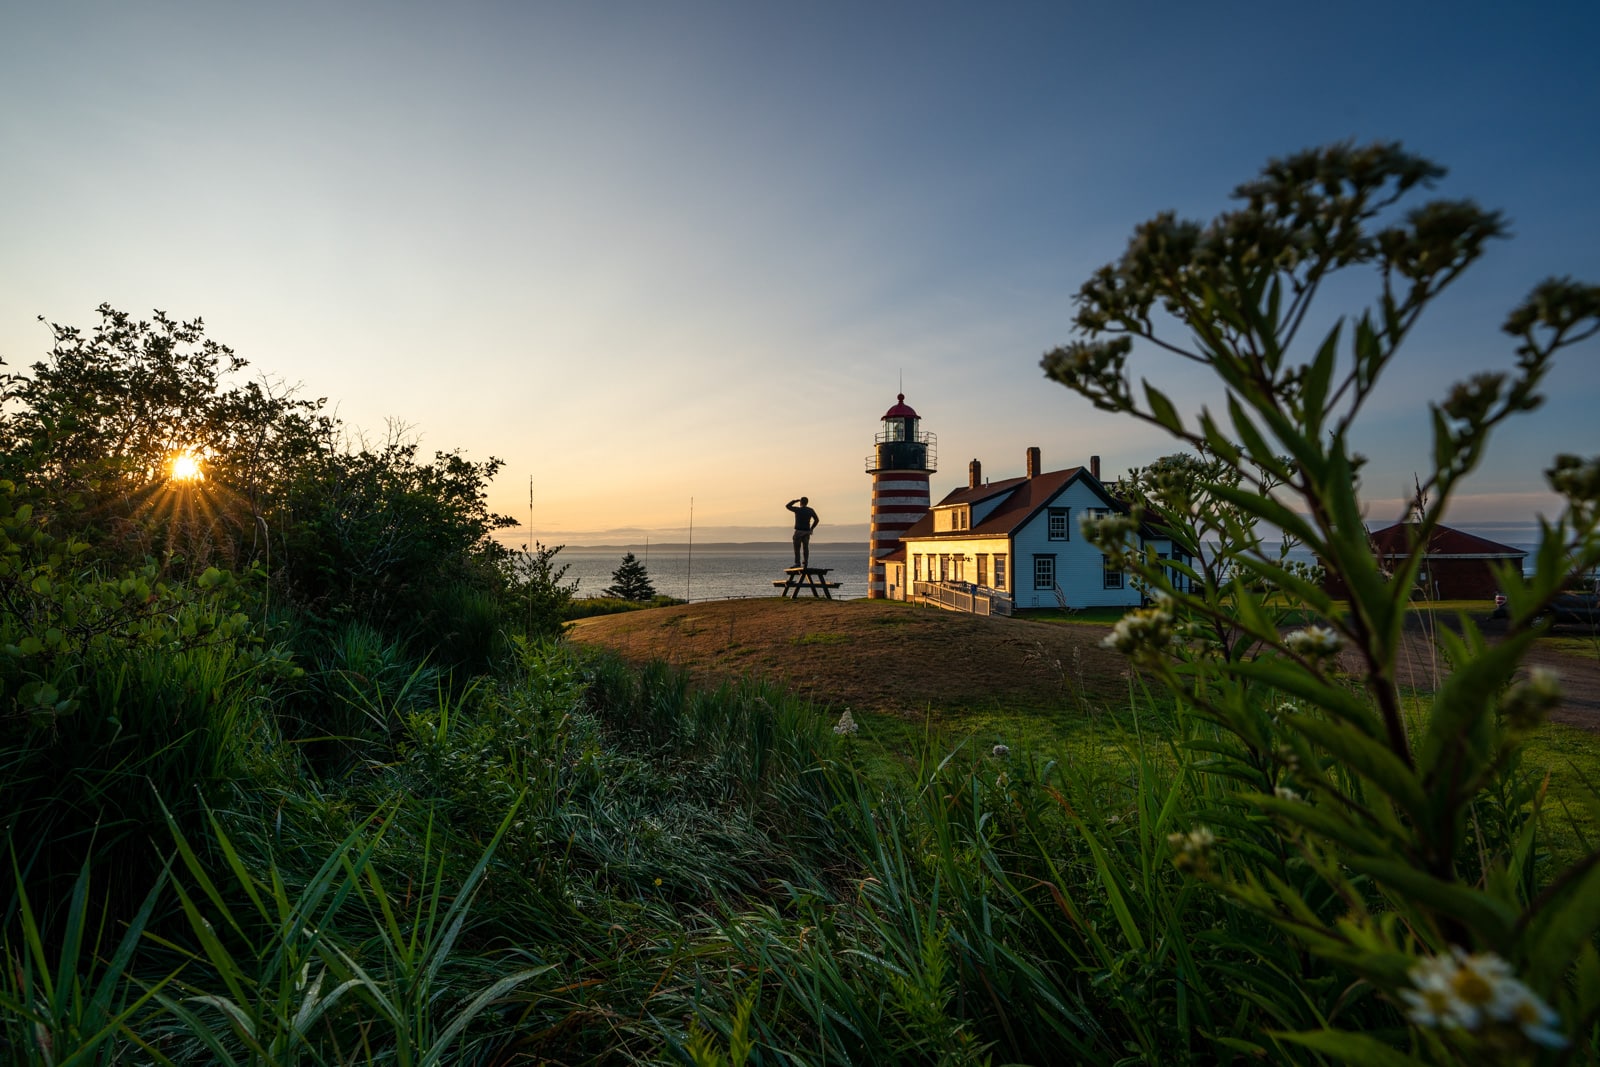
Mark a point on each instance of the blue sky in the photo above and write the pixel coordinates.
(653, 252)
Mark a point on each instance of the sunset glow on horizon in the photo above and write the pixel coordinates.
(647, 253)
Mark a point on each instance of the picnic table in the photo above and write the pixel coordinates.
(812, 578)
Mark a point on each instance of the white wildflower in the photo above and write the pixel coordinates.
(1474, 991)
(1193, 849)
(1197, 840)
(1283, 792)
(1000, 751)
(1141, 631)
(1523, 1009)
(846, 724)
(1526, 702)
(1312, 641)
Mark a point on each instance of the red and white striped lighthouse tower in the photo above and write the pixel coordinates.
(900, 463)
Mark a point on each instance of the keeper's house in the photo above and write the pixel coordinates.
(1016, 544)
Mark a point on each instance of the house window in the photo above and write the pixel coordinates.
(916, 567)
(958, 568)
(1058, 524)
(1044, 572)
(999, 570)
(983, 569)
(1110, 576)
(944, 567)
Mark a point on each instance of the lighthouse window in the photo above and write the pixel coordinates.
(1058, 524)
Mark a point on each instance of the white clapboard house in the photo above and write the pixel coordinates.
(995, 546)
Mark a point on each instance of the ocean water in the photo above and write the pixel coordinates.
(727, 571)
(717, 571)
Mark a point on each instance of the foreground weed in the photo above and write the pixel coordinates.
(280, 977)
(1400, 854)
(79, 1008)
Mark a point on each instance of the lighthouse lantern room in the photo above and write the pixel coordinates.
(902, 459)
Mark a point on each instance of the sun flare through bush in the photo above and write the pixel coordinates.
(186, 467)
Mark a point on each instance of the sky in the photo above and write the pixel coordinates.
(675, 260)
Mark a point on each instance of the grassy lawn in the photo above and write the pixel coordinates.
(922, 683)
(1583, 646)
(1571, 759)
(1098, 616)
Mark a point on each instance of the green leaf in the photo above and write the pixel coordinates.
(1460, 721)
(1292, 678)
(1323, 821)
(1113, 882)
(1255, 444)
(1490, 919)
(1266, 509)
(1371, 758)
(1318, 376)
(1351, 1048)
(1162, 409)
(1562, 929)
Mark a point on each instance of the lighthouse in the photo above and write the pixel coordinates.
(902, 458)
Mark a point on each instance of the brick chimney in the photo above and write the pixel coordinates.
(974, 474)
(1033, 462)
(1094, 467)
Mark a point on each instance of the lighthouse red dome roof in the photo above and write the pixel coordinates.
(901, 409)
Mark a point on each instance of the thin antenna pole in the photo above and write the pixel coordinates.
(689, 575)
(529, 550)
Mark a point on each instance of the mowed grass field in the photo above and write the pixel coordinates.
(921, 680)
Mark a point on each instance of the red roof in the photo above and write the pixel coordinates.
(1024, 498)
(1396, 541)
(901, 409)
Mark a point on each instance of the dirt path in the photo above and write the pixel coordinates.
(1422, 667)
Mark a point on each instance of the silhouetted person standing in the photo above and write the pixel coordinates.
(805, 520)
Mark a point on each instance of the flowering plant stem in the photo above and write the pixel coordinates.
(1386, 803)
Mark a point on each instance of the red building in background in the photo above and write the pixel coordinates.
(1455, 565)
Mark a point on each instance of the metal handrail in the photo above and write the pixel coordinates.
(928, 440)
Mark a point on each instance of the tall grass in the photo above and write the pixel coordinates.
(574, 860)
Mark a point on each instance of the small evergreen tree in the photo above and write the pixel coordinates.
(631, 581)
